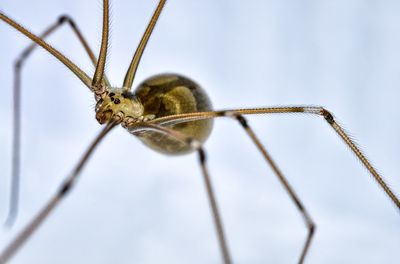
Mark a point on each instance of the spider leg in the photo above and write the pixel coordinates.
(69, 64)
(194, 144)
(307, 218)
(67, 19)
(64, 189)
(97, 80)
(302, 109)
(15, 167)
(130, 74)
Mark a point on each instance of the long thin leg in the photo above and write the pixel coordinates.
(73, 67)
(16, 147)
(130, 74)
(66, 186)
(314, 110)
(97, 81)
(202, 159)
(14, 197)
(307, 218)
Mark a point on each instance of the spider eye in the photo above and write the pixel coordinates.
(116, 101)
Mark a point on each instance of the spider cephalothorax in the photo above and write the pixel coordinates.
(119, 104)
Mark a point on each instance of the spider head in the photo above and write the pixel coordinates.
(118, 104)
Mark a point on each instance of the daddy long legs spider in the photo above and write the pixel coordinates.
(268, 228)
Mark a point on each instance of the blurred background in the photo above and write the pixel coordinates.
(133, 205)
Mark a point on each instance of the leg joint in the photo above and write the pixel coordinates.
(66, 187)
(312, 227)
(202, 155)
(18, 63)
(193, 143)
(66, 18)
(242, 121)
(327, 115)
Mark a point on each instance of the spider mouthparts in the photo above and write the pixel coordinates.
(103, 117)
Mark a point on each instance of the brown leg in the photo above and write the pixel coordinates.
(97, 81)
(68, 63)
(130, 74)
(15, 177)
(308, 221)
(195, 145)
(67, 186)
(314, 110)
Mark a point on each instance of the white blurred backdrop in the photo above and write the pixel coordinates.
(133, 205)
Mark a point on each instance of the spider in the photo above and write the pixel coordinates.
(226, 179)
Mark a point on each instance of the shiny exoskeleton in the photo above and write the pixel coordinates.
(158, 96)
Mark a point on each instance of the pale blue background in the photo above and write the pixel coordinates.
(135, 206)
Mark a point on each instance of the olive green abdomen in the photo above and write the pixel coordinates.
(170, 94)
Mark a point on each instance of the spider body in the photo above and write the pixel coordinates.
(171, 94)
(159, 96)
(172, 115)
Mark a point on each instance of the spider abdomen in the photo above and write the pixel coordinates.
(171, 94)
